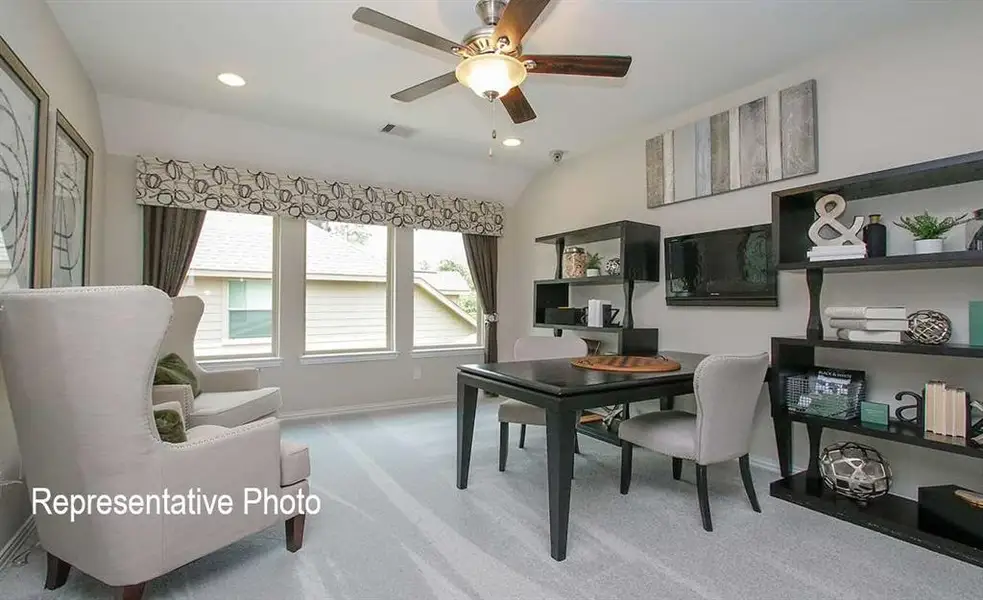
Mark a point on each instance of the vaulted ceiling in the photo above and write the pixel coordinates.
(310, 67)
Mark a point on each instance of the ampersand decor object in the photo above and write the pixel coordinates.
(828, 209)
(929, 327)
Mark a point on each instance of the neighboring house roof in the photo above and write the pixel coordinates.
(241, 244)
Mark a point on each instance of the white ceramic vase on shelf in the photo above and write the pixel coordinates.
(593, 272)
(928, 246)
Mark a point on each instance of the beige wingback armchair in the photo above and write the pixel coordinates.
(79, 365)
(228, 398)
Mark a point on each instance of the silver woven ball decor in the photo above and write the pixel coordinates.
(856, 471)
(929, 327)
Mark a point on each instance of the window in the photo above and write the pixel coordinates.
(348, 288)
(232, 272)
(445, 307)
(250, 309)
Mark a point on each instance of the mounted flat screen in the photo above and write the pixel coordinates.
(731, 267)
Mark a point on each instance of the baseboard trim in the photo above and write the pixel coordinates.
(771, 465)
(333, 411)
(16, 545)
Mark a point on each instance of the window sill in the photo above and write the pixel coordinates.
(348, 357)
(260, 362)
(448, 352)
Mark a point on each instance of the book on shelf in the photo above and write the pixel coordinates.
(947, 410)
(866, 312)
(870, 324)
(832, 250)
(854, 335)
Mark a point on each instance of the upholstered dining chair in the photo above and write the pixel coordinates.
(79, 365)
(726, 389)
(514, 411)
(228, 397)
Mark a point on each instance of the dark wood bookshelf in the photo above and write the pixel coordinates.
(900, 262)
(891, 515)
(793, 212)
(955, 350)
(639, 252)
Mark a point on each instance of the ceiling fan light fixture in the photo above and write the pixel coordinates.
(491, 75)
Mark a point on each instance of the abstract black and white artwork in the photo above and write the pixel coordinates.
(768, 139)
(69, 217)
(23, 131)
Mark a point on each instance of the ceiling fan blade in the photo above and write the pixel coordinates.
(518, 17)
(374, 18)
(591, 66)
(518, 107)
(427, 87)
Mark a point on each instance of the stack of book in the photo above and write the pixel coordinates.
(822, 253)
(947, 410)
(868, 323)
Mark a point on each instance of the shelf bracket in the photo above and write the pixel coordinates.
(814, 328)
(629, 321)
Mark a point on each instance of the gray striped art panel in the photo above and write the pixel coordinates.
(767, 139)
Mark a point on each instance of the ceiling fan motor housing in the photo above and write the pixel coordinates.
(481, 40)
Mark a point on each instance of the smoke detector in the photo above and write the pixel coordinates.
(397, 130)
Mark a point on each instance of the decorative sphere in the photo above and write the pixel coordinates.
(929, 327)
(855, 471)
(613, 266)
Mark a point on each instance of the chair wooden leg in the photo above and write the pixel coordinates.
(701, 491)
(522, 436)
(626, 452)
(294, 527)
(130, 592)
(748, 484)
(677, 468)
(503, 445)
(57, 572)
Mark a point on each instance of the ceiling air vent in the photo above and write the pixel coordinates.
(397, 130)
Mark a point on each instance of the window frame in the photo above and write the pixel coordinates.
(308, 356)
(274, 339)
(439, 349)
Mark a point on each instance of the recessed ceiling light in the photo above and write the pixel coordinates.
(232, 80)
(511, 142)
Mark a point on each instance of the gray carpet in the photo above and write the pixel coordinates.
(394, 526)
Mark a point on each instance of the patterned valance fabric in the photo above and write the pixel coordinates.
(182, 184)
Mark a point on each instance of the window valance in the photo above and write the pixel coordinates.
(183, 184)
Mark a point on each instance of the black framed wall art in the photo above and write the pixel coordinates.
(71, 205)
(23, 137)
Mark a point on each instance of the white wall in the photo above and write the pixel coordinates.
(305, 387)
(907, 97)
(30, 29)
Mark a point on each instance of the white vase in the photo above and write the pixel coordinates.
(593, 272)
(928, 246)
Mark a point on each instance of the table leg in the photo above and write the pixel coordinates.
(467, 403)
(667, 403)
(560, 434)
(783, 439)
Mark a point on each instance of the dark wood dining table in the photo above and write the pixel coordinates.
(563, 390)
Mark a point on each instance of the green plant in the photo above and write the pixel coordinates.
(928, 227)
(593, 261)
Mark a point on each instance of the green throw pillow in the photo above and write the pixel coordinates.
(171, 370)
(170, 427)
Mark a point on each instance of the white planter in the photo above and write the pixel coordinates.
(928, 246)
(593, 272)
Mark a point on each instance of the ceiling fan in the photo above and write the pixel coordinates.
(493, 64)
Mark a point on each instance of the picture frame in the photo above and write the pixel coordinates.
(23, 166)
(71, 207)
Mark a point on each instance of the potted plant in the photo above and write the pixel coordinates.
(928, 230)
(593, 265)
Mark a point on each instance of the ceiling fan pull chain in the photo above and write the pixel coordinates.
(491, 147)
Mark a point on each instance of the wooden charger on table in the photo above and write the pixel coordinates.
(627, 364)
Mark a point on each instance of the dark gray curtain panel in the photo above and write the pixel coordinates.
(482, 253)
(170, 236)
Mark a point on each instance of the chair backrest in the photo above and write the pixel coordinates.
(79, 365)
(180, 338)
(727, 388)
(539, 347)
